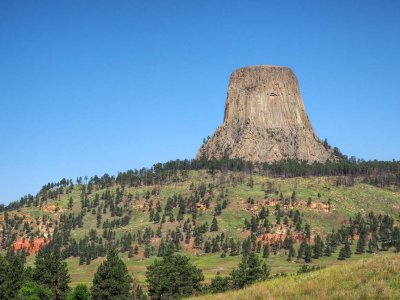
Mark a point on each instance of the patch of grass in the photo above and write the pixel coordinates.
(375, 278)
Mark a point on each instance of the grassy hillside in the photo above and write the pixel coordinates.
(374, 278)
(322, 203)
(212, 264)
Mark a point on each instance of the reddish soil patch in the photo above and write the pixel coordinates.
(27, 246)
(271, 238)
(51, 208)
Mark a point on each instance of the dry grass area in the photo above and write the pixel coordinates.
(375, 278)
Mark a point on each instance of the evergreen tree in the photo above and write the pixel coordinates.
(360, 248)
(342, 254)
(251, 269)
(266, 251)
(328, 249)
(307, 254)
(301, 250)
(373, 244)
(173, 277)
(294, 198)
(263, 213)
(214, 245)
(70, 203)
(51, 271)
(33, 291)
(12, 275)
(207, 247)
(292, 252)
(80, 292)
(98, 218)
(112, 280)
(156, 218)
(307, 231)
(318, 247)
(219, 284)
(147, 251)
(347, 250)
(235, 248)
(3, 277)
(214, 224)
(246, 246)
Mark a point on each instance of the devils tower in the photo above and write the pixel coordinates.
(265, 120)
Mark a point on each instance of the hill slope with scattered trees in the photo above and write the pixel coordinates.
(222, 215)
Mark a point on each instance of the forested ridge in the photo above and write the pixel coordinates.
(379, 173)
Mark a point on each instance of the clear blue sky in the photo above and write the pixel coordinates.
(88, 87)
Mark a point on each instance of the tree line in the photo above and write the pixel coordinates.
(379, 173)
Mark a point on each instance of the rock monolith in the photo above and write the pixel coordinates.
(265, 120)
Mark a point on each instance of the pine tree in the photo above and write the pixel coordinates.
(347, 250)
(307, 254)
(219, 284)
(11, 275)
(307, 231)
(207, 247)
(318, 247)
(373, 245)
(251, 269)
(3, 277)
(266, 251)
(246, 246)
(173, 277)
(328, 249)
(234, 250)
(294, 198)
(214, 245)
(33, 291)
(70, 203)
(360, 249)
(147, 251)
(342, 254)
(214, 224)
(112, 280)
(156, 218)
(80, 292)
(292, 252)
(98, 218)
(301, 250)
(263, 213)
(51, 271)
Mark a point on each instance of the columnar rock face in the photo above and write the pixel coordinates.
(265, 120)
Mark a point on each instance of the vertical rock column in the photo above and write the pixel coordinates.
(265, 120)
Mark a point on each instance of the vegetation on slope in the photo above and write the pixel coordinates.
(374, 278)
(212, 215)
